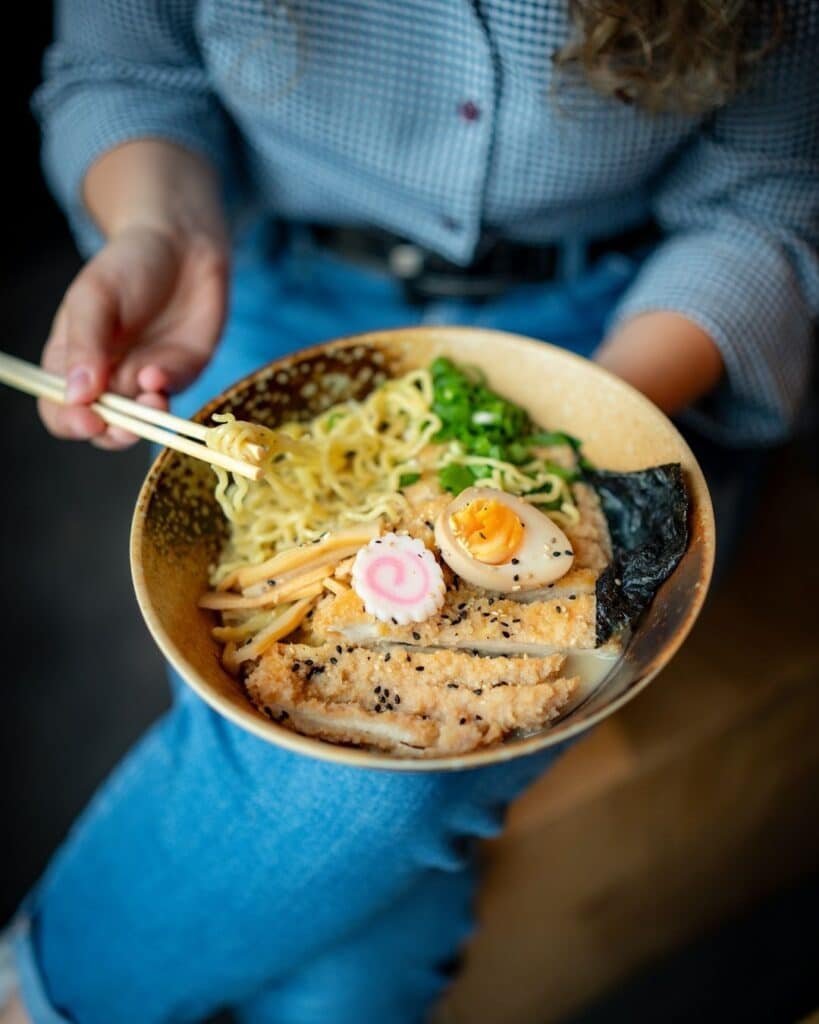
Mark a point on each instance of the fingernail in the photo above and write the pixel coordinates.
(77, 384)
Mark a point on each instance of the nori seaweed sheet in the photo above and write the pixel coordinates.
(647, 513)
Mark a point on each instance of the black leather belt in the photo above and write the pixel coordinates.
(498, 265)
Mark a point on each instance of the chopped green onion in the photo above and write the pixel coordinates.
(487, 425)
(408, 478)
(455, 478)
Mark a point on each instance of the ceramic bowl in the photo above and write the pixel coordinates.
(178, 527)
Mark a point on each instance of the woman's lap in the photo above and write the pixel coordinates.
(213, 868)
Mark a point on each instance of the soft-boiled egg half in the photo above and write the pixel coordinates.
(501, 542)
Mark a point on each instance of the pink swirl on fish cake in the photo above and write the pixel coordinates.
(403, 567)
(398, 579)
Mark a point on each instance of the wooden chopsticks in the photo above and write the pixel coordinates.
(152, 424)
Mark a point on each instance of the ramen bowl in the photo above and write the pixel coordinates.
(178, 527)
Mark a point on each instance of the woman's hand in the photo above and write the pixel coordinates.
(142, 319)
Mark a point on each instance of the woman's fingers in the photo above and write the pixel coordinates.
(92, 327)
(70, 424)
(154, 379)
(111, 300)
(162, 367)
(112, 297)
(155, 401)
(76, 423)
(116, 439)
(142, 318)
(81, 348)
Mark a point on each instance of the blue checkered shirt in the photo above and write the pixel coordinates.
(437, 119)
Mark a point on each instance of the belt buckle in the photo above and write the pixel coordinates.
(409, 264)
(406, 261)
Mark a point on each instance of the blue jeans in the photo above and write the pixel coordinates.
(213, 869)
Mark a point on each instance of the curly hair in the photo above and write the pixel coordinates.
(685, 56)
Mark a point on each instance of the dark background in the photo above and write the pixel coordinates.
(83, 678)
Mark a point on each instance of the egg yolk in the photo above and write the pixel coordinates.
(489, 530)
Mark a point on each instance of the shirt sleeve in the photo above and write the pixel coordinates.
(121, 70)
(741, 208)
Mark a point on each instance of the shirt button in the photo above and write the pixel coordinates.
(469, 111)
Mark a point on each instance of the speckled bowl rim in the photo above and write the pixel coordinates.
(254, 723)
